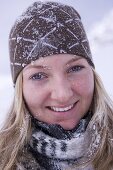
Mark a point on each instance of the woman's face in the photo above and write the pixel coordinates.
(59, 89)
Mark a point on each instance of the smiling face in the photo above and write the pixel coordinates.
(59, 89)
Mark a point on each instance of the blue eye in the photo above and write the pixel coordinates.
(38, 76)
(75, 68)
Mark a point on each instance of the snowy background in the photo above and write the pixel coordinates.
(97, 17)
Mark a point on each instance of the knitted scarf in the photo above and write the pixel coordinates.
(54, 148)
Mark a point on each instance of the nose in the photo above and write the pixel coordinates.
(62, 91)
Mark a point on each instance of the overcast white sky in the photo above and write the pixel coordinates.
(97, 17)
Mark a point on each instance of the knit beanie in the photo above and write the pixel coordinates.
(44, 29)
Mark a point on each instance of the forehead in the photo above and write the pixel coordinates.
(54, 59)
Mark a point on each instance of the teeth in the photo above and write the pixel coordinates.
(56, 109)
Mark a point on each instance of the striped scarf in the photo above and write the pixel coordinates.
(54, 148)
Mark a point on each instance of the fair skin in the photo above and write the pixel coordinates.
(59, 89)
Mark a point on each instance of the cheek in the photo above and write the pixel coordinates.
(30, 95)
(84, 85)
(34, 96)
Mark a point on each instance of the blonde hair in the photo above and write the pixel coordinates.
(103, 114)
(16, 131)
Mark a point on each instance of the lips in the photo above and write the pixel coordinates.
(61, 109)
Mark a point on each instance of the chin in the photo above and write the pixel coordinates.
(68, 126)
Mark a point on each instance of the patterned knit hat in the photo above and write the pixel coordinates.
(44, 29)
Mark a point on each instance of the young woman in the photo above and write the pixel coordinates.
(61, 117)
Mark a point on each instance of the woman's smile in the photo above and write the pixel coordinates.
(61, 109)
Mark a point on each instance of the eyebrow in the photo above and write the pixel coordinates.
(73, 59)
(38, 67)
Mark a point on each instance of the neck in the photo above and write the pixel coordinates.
(58, 132)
